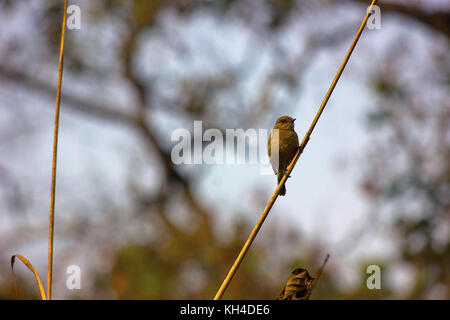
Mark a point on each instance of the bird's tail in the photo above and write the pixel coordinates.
(283, 188)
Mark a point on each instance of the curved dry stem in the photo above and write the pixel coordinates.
(29, 266)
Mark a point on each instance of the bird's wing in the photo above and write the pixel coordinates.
(273, 162)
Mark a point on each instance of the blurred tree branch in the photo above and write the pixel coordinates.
(98, 111)
(101, 112)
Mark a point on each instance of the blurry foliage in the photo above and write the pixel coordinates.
(186, 267)
(189, 261)
(410, 164)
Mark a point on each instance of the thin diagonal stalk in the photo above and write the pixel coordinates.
(55, 153)
(272, 200)
(319, 273)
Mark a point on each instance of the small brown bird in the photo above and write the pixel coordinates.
(282, 146)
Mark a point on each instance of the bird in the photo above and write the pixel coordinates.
(282, 147)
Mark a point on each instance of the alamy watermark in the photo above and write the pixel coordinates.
(213, 146)
(73, 281)
(73, 17)
(374, 280)
(374, 20)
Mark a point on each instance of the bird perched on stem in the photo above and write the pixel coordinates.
(282, 147)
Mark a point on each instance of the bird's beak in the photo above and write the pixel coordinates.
(294, 119)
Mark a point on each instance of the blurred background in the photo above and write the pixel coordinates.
(372, 186)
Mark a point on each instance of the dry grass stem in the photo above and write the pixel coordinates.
(319, 273)
(55, 153)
